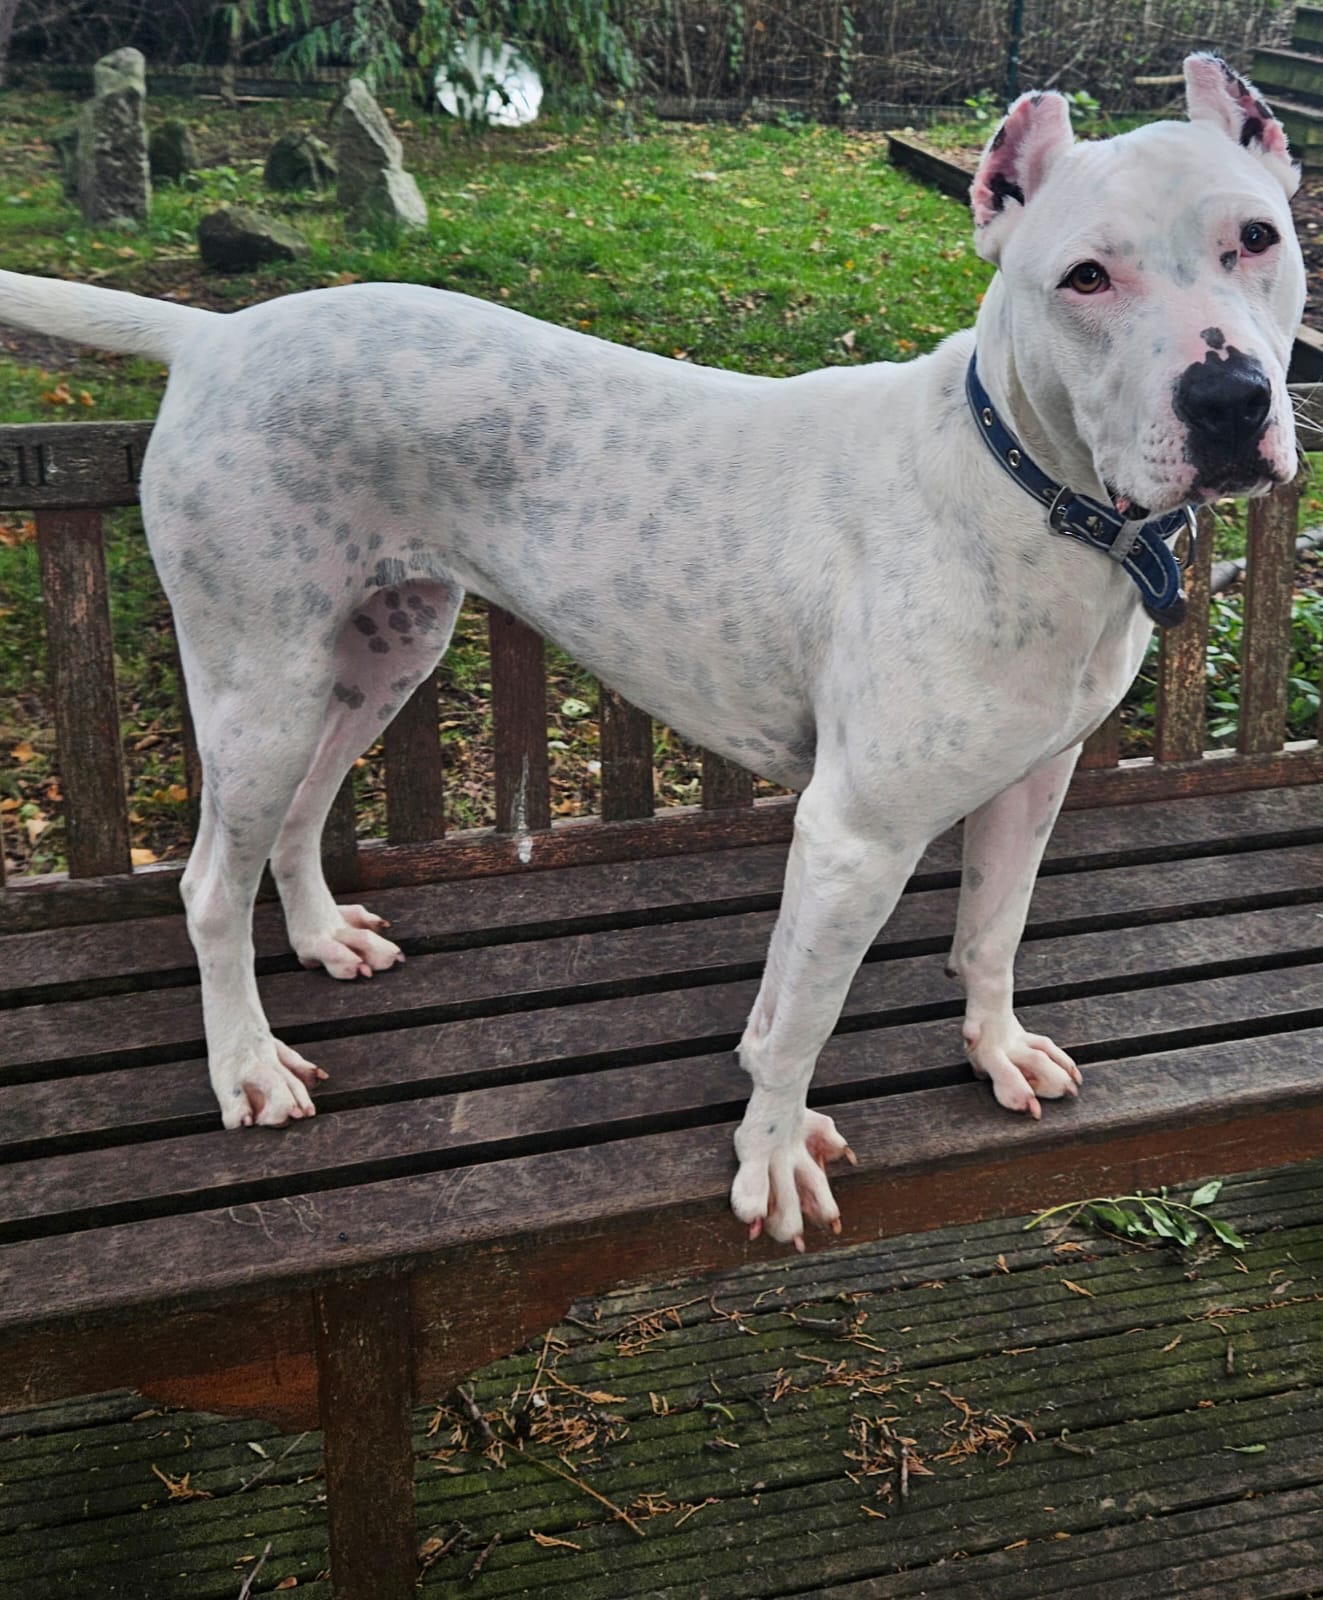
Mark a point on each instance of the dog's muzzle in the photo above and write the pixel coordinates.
(1225, 402)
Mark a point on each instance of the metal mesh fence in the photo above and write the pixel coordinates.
(875, 60)
(860, 56)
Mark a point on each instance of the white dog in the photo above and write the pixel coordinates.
(831, 579)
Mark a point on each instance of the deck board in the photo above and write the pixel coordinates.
(783, 1360)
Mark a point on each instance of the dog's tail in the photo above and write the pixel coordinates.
(105, 318)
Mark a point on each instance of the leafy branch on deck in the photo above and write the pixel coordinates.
(1147, 1217)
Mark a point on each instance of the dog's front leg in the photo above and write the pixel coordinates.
(841, 885)
(1004, 843)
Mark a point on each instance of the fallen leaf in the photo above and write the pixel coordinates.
(1076, 1288)
(141, 856)
(23, 752)
(548, 1543)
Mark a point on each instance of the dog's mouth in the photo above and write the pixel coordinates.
(1126, 505)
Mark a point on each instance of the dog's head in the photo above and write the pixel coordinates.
(1149, 290)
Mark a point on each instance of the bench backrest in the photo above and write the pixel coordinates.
(67, 474)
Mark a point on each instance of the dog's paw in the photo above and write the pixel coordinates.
(351, 947)
(268, 1090)
(1024, 1067)
(782, 1179)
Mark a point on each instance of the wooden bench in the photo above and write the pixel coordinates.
(540, 1103)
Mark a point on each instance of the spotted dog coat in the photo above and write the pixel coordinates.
(825, 578)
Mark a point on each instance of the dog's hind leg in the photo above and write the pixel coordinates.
(256, 730)
(842, 883)
(389, 645)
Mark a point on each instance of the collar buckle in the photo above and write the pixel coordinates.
(1056, 512)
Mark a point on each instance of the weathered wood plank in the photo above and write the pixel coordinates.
(626, 747)
(679, 830)
(365, 1387)
(70, 465)
(415, 788)
(577, 967)
(340, 839)
(1180, 733)
(62, 1192)
(1175, 1114)
(1266, 640)
(1219, 772)
(725, 784)
(519, 723)
(458, 912)
(81, 670)
(1102, 748)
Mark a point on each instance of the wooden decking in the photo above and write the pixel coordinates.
(1079, 1418)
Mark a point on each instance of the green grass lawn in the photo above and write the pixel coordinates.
(762, 248)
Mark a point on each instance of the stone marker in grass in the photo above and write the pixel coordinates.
(372, 185)
(113, 179)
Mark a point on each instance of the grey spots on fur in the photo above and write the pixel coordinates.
(352, 553)
(378, 645)
(399, 621)
(1229, 258)
(315, 602)
(365, 624)
(385, 575)
(632, 588)
(350, 695)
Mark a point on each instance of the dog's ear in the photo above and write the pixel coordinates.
(1216, 93)
(1033, 135)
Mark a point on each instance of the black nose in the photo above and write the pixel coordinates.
(1224, 401)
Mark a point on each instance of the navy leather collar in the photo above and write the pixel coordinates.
(1140, 548)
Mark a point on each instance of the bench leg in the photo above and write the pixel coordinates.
(365, 1390)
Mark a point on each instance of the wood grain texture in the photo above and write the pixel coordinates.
(1180, 733)
(626, 746)
(80, 657)
(339, 839)
(1103, 746)
(519, 723)
(415, 787)
(1266, 640)
(365, 1386)
(724, 784)
(70, 465)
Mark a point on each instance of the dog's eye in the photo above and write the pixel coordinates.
(1086, 278)
(1257, 237)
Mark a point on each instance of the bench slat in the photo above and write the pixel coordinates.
(80, 657)
(1180, 732)
(464, 911)
(68, 1192)
(626, 747)
(1266, 640)
(583, 966)
(415, 788)
(519, 724)
(166, 1260)
(724, 784)
(173, 1099)
(1102, 748)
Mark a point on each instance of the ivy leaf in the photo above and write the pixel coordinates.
(1226, 1233)
(1120, 1219)
(1206, 1193)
